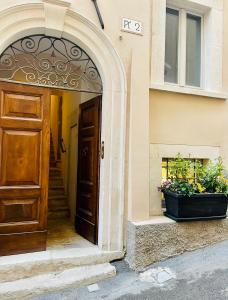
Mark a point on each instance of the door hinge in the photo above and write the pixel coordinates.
(102, 150)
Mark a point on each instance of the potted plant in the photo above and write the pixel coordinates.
(199, 197)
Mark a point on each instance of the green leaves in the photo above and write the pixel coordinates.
(212, 177)
(188, 178)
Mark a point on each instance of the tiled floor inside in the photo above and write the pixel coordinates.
(62, 235)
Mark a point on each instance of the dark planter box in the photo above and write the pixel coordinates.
(196, 207)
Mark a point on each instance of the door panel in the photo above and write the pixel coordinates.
(18, 210)
(21, 106)
(88, 169)
(20, 158)
(24, 166)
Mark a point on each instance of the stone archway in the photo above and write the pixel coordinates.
(30, 19)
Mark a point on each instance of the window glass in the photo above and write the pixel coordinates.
(171, 45)
(168, 162)
(193, 51)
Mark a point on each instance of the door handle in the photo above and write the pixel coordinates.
(102, 150)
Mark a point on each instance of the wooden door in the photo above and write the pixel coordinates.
(86, 222)
(24, 166)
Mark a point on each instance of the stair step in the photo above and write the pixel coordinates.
(56, 191)
(56, 197)
(56, 187)
(58, 209)
(53, 206)
(52, 163)
(55, 183)
(54, 170)
(54, 215)
(76, 277)
(52, 179)
(57, 180)
(15, 267)
(53, 174)
(56, 202)
(60, 193)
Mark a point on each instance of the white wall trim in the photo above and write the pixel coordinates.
(23, 20)
(189, 91)
(62, 3)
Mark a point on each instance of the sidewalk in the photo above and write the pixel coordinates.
(200, 275)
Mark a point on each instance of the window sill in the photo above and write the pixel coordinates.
(189, 91)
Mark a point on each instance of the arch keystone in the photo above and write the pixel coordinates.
(55, 12)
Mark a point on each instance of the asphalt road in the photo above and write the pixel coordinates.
(200, 275)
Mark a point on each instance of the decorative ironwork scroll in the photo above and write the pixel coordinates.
(48, 61)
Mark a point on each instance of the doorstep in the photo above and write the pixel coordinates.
(25, 275)
(76, 277)
(21, 266)
(160, 238)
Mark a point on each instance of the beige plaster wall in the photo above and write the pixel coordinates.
(54, 121)
(134, 51)
(225, 47)
(70, 109)
(224, 148)
(191, 125)
(186, 119)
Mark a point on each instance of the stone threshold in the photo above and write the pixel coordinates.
(16, 267)
(76, 277)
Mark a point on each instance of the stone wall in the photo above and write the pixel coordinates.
(160, 238)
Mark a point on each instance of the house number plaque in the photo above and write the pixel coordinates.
(132, 26)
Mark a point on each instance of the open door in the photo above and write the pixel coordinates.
(24, 166)
(86, 222)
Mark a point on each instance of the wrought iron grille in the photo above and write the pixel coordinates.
(48, 61)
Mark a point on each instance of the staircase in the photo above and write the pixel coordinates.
(57, 198)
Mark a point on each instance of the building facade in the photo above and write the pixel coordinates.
(163, 69)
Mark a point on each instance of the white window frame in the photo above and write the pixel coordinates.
(211, 12)
(182, 48)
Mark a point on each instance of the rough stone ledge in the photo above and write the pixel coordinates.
(159, 238)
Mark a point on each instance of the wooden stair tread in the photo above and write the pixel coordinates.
(55, 168)
(57, 197)
(53, 187)
(58, 208)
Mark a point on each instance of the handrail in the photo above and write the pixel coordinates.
(62, 146)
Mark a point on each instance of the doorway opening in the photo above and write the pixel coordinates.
(75, 120)
(50, 107)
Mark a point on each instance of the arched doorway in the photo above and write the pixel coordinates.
(32, 70)
(81, 31)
